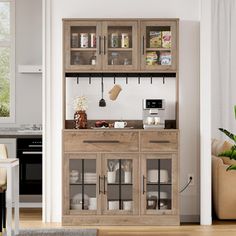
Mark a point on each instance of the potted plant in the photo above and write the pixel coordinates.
(80, 105)
(232, 152)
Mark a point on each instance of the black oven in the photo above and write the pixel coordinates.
(29, 152)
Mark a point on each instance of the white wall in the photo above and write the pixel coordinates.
(188, 12)
(28, 51)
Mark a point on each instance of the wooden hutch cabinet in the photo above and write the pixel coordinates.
(120, 176)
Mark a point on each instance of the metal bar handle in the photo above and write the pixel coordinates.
(104, 184)
(99, 184)
(143, 45)
(159, 141)
(104, 44)
(101, 141)
(99, 45)
(144, 184)
(29, 153)
(33, 145)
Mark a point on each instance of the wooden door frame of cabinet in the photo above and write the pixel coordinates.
(174, 178)
(66, 183)
(135, 158)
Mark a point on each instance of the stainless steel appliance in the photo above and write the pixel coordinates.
(153, 113)
(29, 152)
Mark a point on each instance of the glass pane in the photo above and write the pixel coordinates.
(159, 184)
(83, 45)
(120, 184)
(4, 21)
(4, 82)
(120, 37)
(158, 45)
(83, 179)
(120, 58)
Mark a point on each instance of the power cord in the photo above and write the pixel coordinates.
(190, 180)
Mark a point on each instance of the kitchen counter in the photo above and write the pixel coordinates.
(16, 132)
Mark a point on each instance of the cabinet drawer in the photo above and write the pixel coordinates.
(165, 141)
(101, 141)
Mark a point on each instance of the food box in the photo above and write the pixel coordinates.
(151, 58)
(155, 39)
(165, 58)
(166, 39)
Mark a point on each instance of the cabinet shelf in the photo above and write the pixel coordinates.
(83, 184)
(158, 49)
(110, 184)
(83, 49)
(158, 183)
(120, 49)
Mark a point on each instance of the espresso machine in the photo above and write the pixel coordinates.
(153, 113)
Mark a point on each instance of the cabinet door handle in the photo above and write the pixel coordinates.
(143, 45)
(99, 45)
(144, 184)
(159, 141)
(99, 184)
(104, 184)
(104, 44)
(101, 141)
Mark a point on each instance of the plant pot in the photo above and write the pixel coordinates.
(80, 118)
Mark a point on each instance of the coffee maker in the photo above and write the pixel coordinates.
(153, 113)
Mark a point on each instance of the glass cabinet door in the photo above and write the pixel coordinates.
(120, 45)
(120, 184)
(158, 184)
(84, 183)
(159, 45)
(83, 45)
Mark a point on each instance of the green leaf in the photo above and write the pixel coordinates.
(235, 111)
(229, 153)
(230, 135)
(232, 167)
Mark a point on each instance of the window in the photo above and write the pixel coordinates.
(7, 61)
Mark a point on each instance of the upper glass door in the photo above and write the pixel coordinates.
(158, 45)
(120, 184)
(83, 45)
(120, 45)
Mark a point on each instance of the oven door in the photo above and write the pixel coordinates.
(30, 172)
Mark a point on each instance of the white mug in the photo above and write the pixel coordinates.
(120, 124)
(150, 120)
(113, 205)
(157, 120)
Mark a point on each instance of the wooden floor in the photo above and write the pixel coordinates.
(32, 219)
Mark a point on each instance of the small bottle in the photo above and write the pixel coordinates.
(93, 59)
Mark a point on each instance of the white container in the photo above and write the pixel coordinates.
(92, 203)
(111, 177)
(127, 205)
(92, 40)
(153, 176)
(113, 205)
(84, 40)
(127, 177)
(124, 40)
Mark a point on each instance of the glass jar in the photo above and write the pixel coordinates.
(114, 58)
(80, 118)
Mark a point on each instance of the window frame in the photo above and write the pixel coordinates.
(11, 45)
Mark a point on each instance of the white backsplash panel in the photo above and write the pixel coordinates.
(128, 105)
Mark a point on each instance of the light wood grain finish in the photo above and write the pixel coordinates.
(165, 141)
(101, 141)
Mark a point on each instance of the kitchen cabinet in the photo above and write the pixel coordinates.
(119, 181)
(120, 45)
(100, 45)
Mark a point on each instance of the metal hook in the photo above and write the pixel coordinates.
(164, 80)
(77, 79)
(151, 78)
(138, 78)
(89, 78)
(126, 78)
(114, 78)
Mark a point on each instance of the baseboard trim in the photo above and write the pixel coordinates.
(190, 218)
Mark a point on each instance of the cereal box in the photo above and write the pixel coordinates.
(151, 58)
(165, 58)
(166, 39)
(155, 39)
